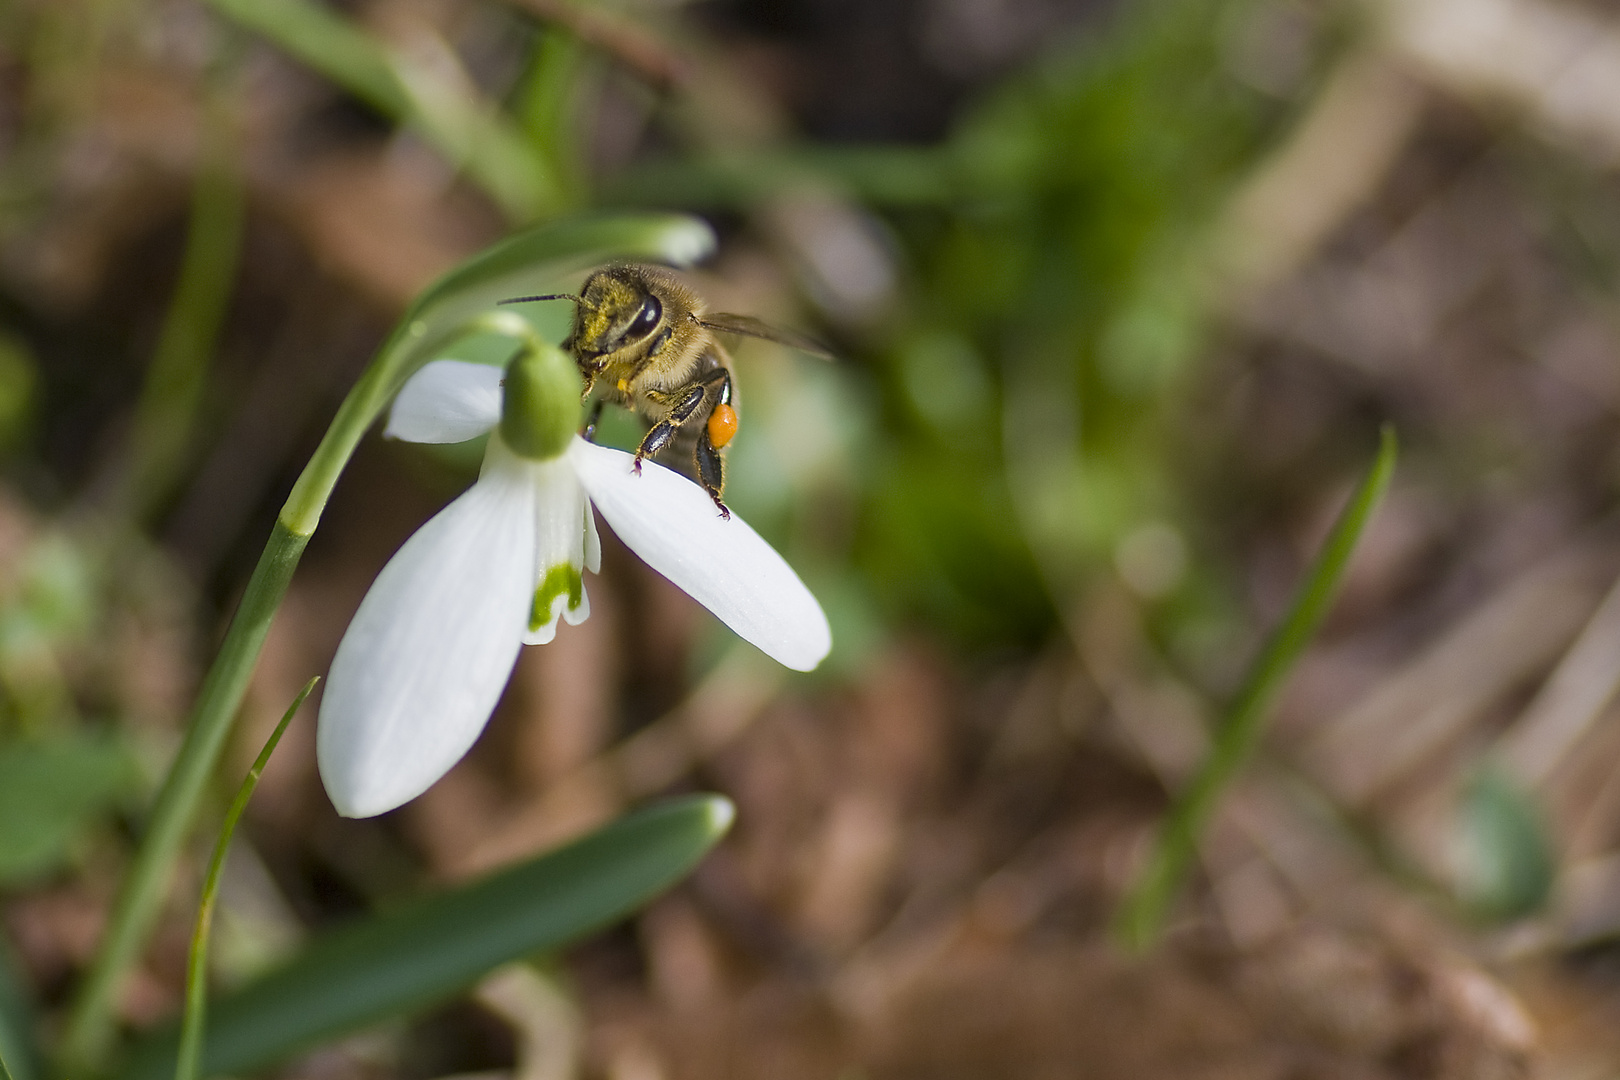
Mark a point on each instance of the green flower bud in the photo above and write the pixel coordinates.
(540, 406)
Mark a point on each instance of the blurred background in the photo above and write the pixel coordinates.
(1122, 291)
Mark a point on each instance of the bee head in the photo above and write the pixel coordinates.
(619, 308)
(616, 309)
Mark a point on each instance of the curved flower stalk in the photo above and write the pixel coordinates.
(457, 304)
(428, 653)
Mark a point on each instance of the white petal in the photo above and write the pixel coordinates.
(593, 542)
(560, 514)
(725, 566)
(448, 401)
(423, 664)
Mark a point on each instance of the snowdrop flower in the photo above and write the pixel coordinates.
(428, 653)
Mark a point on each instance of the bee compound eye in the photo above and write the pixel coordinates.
(647, 318)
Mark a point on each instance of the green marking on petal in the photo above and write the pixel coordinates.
(559, 580)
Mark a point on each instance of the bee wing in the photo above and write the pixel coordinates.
(748, 326)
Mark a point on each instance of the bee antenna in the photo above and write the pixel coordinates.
(549, 296)
(579, 301)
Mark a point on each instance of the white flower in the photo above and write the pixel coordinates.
(428, 653)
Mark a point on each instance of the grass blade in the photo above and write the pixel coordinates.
(434, 947)
(191, 1028)
(887, 176)
(165, 416)
(1142, 913)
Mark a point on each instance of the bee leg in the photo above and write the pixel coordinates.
(589, 434)
(711, 467)
(717, 383)
(662, 432)
(654, 441)
(711, 471)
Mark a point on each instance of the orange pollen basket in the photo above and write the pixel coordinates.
(722, 425)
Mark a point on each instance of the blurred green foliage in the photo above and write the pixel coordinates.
(19, 379)
(49, 791)
(1056, 306)
(1506, 865)
(1055, 290)
(59, 775)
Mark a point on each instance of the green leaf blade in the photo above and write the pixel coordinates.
(434, 947)
(328, 43)
(467, 129)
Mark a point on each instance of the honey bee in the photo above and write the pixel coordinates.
(646, 337)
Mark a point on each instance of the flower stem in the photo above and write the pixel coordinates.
(1142, 913)
(399, 357)
(89, 1030)
(191, 1029)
